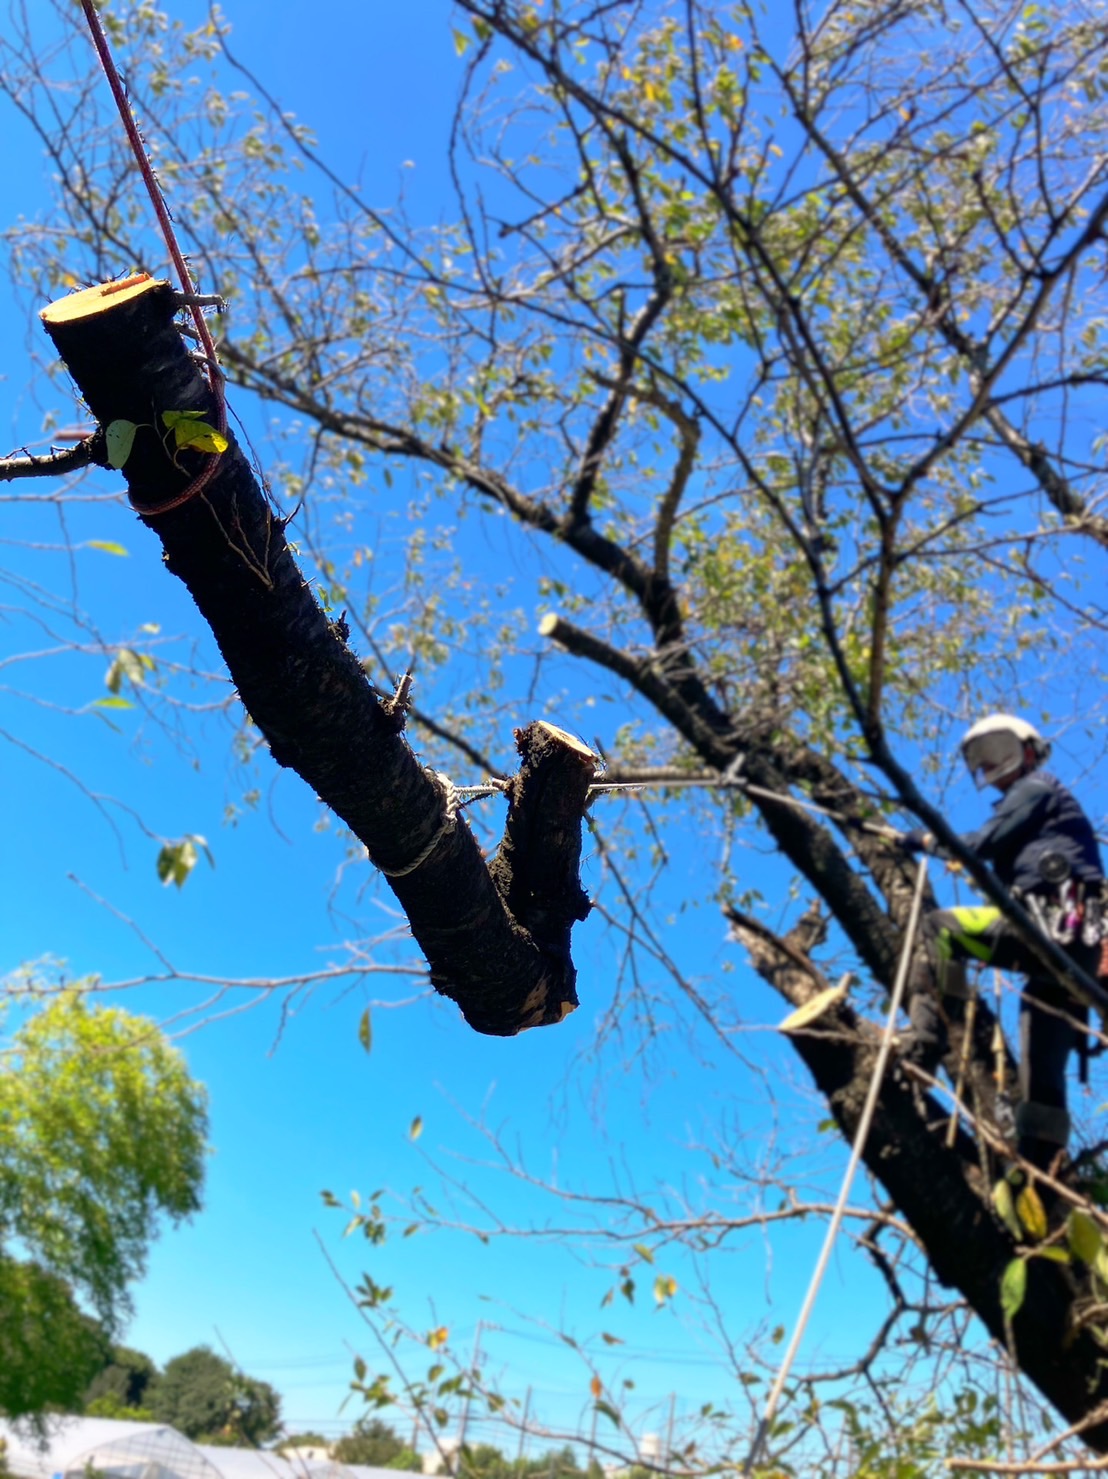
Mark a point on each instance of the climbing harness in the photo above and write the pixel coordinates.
(856, 1150)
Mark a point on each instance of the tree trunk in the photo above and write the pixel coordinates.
(496, 939)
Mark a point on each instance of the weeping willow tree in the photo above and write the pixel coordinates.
(773, 350)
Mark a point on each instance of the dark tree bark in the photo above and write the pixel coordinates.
(496, 939)
(942, 1191)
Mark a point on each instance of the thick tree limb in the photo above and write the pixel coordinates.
(940, 1191)
(496, 939)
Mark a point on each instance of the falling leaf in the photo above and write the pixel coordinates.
(417, 1128)
(365, 1031)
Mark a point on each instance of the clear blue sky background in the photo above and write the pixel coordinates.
(377, 82)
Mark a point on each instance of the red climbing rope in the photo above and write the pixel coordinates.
(188, 288)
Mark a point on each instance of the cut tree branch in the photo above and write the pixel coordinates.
(496, 938)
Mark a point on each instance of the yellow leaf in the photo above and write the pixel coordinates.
(664, 1288)
(438, 1337)
(1031, 1212)
(189, 430)
(734, 43)
(417, 1128)
(596, 1386)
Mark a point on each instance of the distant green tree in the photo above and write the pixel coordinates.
(371, 1442)
(303, 1440)
(110, 1406)
(483, 1461)
(556, 1463)
(205, 1398)
(126, 1380)
(407, 1460)
(101, 1131)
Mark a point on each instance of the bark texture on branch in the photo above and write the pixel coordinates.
(496, 939)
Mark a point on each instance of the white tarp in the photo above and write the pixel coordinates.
(258, 1463)
(120, 1450)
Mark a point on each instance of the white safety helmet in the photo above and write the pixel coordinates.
(996, 748)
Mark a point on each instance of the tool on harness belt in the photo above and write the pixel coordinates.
(1065, 918)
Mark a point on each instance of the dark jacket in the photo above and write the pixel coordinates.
(1036, 815)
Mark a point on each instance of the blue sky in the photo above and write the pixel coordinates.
(299, 1107)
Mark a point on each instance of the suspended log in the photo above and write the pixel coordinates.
(496, 937)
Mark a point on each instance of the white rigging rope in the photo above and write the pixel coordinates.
(848, 1178)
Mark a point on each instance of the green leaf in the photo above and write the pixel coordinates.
(119, 437)
(1055, 1255)
(1005, 1204)
(190, 431)
(417, 1128)
(130, 665)
(1013, 1287)
(365, 1031)
(113, 703)
(108, 546)
(177, 859)
(644, 1252)
(1083, 1236)
(461, 42)
(609, 1412)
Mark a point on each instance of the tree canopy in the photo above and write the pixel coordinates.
(777, 347)
(104, 1135)
(206, 1398)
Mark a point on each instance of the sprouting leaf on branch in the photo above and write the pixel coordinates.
(120, 438)
(1013, 1287)
(177, 859)
(1005, 1204)
(1083, 1236)
(190, 430)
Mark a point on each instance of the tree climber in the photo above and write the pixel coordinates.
(1041, 846)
